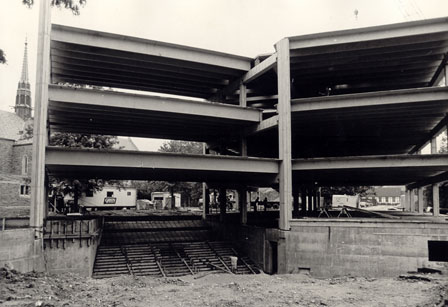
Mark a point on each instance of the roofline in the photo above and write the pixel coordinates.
(381, 32)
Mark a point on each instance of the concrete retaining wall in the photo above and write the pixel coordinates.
(359, 248)
(70, 245)
(20, 251)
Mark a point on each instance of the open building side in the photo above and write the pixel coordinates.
(348, 107)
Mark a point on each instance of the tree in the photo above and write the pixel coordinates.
(72, 5)
(73, 186)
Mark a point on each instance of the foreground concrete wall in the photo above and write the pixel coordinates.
(20, 251)
(360, 247)
(249, 239)
(70, 245)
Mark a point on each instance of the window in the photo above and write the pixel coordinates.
(110, 194)
(383, 199)
(129, 193)
(397, 199)
(25, 190)
(24, 165)
(389, 200)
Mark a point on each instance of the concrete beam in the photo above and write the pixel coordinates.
(99, 39)
(121, 164)
(111, 99)
(260, 69)
(264, 125)
(439, 161)
(385, 35)
(382, 98)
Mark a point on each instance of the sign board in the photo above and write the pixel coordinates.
(110, 200)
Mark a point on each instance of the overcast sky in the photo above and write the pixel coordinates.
(243, 27)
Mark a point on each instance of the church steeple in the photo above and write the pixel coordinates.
(23, 97)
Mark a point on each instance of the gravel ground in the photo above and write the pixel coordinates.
(35, 289)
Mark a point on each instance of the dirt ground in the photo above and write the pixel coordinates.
(221, 290)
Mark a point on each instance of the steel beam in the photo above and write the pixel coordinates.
(99, 39)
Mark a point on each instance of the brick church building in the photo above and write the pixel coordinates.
(16, 148)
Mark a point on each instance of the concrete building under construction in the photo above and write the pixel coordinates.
(350, 107)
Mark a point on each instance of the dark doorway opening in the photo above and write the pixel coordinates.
(438, 251)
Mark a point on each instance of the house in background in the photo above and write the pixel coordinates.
(392, 195)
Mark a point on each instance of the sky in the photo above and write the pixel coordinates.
(242, 27)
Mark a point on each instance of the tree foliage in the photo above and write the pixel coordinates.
(190, 191)
(2, 57)
(72, 5)
(77, 140)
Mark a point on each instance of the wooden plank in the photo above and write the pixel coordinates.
(38, 210)
(284, 133)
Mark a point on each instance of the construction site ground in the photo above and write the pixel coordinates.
(35, 289)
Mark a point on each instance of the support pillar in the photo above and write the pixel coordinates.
(412, 198)
(295, 196)
(222, 198)
(303, 199)
(434, 146)
(284, 133)
(407, 200)
(39, 208)
(205, 201)
(420, 200)
(243, 205)
(435, 200)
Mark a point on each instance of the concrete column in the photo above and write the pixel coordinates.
(420, 200)
(295, 196)
(284, 133)
(38, 207)
(434, 145)
(412, 198)
(310, 200)
(303, 199)
(243, 205)
(435, 200)
(407, 200)
(222, 198)
(205, 201)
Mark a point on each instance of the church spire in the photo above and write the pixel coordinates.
(23, 97)
(24, 77)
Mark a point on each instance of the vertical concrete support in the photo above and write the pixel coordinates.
(205, 198)
(412, 198)
(284, 132)
(303, 200)
(433, 145)
(243, 206)
(222, 198)
(420, 200)
(243, 103)
(295, 195)
(40, 134)
(435, 200)
(205, 201)
(407, 200)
